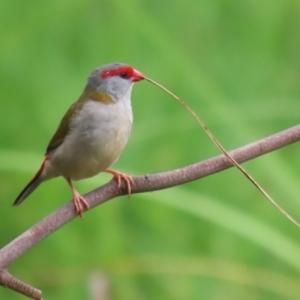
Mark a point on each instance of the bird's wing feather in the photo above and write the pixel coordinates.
(64, 125)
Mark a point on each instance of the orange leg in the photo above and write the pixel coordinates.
(119, 176)
(79, 201)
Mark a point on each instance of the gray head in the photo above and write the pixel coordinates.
(115, 79)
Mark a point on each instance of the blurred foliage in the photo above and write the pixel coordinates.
(237, 64)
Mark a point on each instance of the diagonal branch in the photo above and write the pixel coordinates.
(66, 213)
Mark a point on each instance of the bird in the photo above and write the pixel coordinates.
(92, 134)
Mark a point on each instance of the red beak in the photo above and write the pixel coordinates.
(137, 76)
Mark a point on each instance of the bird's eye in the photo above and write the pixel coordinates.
(123, 75)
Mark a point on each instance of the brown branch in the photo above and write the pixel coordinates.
(7, 280)
(66, 213)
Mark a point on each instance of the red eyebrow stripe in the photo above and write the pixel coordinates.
(128, 70)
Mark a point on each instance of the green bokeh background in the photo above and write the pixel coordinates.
(237, 64)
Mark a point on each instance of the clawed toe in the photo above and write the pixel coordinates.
(80, 204)
(119, 176)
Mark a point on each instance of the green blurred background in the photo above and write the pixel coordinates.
(237, 64)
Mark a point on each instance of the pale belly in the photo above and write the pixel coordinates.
(98, 136)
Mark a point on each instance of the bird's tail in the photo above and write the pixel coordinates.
(32, 185)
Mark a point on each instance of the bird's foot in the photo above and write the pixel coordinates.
(119, 176)
(79, 203)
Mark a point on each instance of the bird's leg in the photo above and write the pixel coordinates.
(78, 200)
(119, 176)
